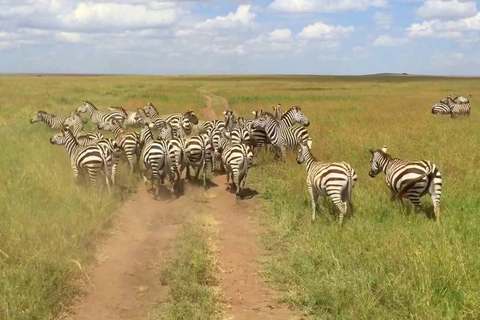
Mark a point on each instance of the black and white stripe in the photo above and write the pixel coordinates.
(462, 109)
(178, 120)
(131, 117)
(51, 120)
(155, 159)
(280, 133)
(411, 180)
(461, 99)
(441, 108)
(198, 150)
(89, 160)
(83, 138)
(111, 153)
(128, 142)
(98, 116)
(335, 180)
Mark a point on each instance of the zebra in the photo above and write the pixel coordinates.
(236, 152)
(281, 134)
(51, 120)
(203, 126)
(461, 99)
(277, 112)
(335, 180)
(83, 138)
(458, 108)
(258, 136)
(98, 116)
(88, 159)
(441, 108)
(186, 120)
(411, 179)
(111, 152)
(197, 153)
(131, 118)
(128, 142)
(155, 159)
(230, 121)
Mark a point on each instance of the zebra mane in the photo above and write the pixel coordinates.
(89, 103)
(268, 114)
(69, 130)
(384, 154)
(45, 112)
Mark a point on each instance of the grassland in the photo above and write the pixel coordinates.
(384, 263)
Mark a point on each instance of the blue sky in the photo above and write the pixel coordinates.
(236, 37)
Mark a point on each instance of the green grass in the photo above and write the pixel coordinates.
(384, 263)
(190, 275)
(48, 224)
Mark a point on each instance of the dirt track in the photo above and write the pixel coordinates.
(124, 283)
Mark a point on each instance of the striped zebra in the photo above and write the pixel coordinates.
(335, 180)
(463, 109)
(203, 126)
(441, 108)
(258, 136)
(128, 142)
(131, 119)
(186, 120)
(98, 116)
(111, 152)
(281, 134)
(83, 138)
(155, 159)
(198, 151)
(461, 99)
(90, 160)
(257, 114)
(237, 157)
(409, 180)
(277, 112)
(51, 120)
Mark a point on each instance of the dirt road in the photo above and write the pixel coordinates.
(124, 283)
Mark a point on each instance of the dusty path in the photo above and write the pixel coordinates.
(124, 284)
(248, 297)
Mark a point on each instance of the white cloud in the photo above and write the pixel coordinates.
(280, 34)
(70, 36)
(320, 30)
(243, 16)
(383, 19)
(387, 41)
(462, 30)
(305, 6)
(451, 9)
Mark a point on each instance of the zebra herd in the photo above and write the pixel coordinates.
(454, 107)
(166, 145)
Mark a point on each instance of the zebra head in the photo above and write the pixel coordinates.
(73, 119)
(378, 161)
(146, 130)
(262, 122)
(150, 110)
(257, 114)
(295, 114)
(302, 153)
(107, 126)
(38, 117)
(58, 139)
(85, 106)
(230, 120)
(191, 116)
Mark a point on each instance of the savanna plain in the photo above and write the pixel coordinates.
(385, 262)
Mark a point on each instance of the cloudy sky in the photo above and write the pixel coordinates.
(238, 36)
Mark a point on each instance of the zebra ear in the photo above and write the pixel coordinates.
(372, 151)
(254, 113)
(225, 113)
(384, 149)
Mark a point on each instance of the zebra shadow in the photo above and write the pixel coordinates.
(247, 193)
(199, 183)
(408, 209)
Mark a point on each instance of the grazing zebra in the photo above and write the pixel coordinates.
(51, 120)
(277, 112)
(131, 118)
(441, 108)
(280, 133)
(411, 180)
(128, 141)
(335, 180)
(87, 159)
(98, 116)
(237, 158)
(155, 159)
(458, 108)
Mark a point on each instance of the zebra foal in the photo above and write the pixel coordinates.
(335, 180)
(410, 180)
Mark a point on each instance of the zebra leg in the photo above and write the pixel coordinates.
(130, 161)
(284, 153)
(313, 199)
(415, 200)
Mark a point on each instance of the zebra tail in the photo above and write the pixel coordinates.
(348, 195)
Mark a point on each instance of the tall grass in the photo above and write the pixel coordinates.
(386, 262)
(48, 224)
